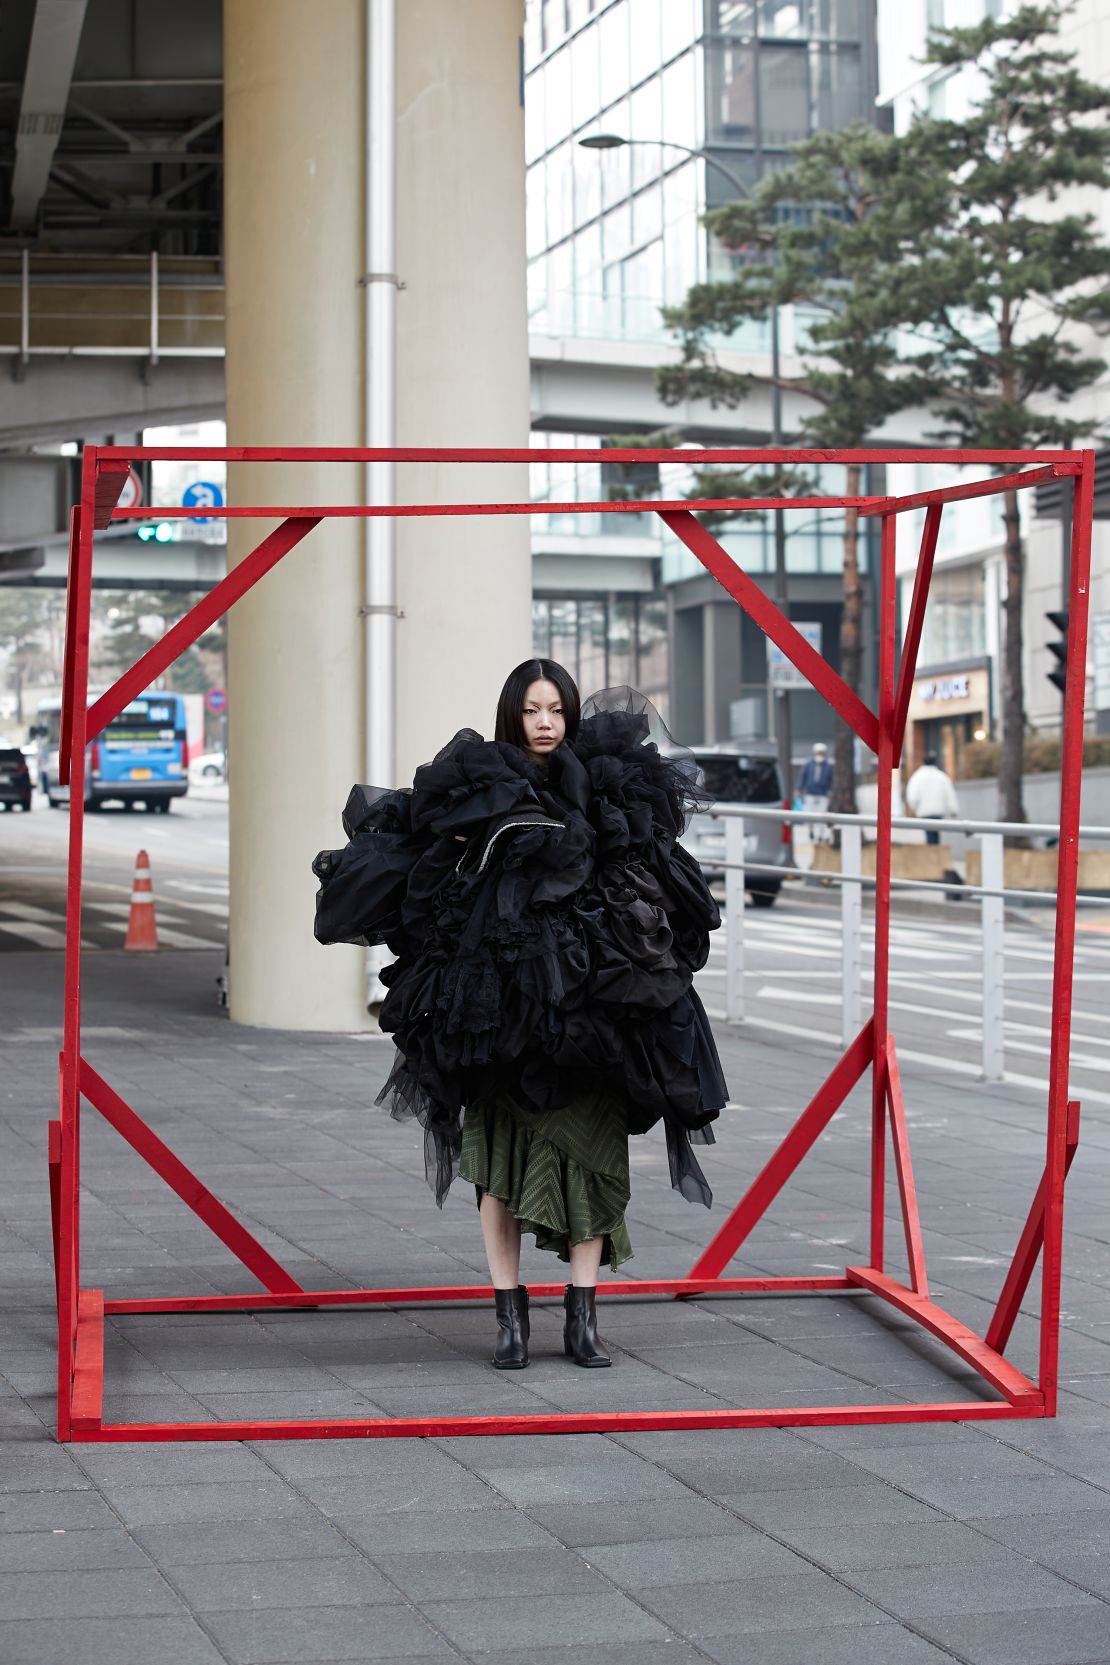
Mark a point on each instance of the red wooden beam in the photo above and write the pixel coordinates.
(907, 1190)
(570, 1422)
(761, 455)
(993, 1368)
(54, 1173)
(914, 623)
(66, 734)
(198, 619)
(880, 996)
(157, 1155)
(1028, 1249)
(775, 1173)
(111, 477)
(772, 622)
(449, 1293)
(976, 488)
(1063, 963)
(541, 506)
(88, 1367)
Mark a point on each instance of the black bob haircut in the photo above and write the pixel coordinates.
(510, 706)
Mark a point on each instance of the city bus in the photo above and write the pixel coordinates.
(141, 757)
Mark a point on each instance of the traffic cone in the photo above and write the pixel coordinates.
(142, 931)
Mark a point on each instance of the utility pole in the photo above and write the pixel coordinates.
(779, 697)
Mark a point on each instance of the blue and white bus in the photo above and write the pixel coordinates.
(141, 757)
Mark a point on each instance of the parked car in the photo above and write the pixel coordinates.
(209, 766)
(15, 778)
(735, 774)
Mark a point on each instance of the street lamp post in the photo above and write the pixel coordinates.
(778, 698)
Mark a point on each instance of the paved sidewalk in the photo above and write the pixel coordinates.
(985, 1543)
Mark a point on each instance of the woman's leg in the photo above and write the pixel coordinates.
(501, 1235)
(585, 1262)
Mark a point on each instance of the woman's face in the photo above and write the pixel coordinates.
(545, 725)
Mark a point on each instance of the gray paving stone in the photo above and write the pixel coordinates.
(253, 1586)
(982, 1586)
(890, 1543)
(48, 1511)
(671, 1652)
(611, 1486)
(880, 1643)
(743, 1606)
(1052, 1636)
(171, 1465)
(580, 1524)
(46, 1467)
(203, 1542)
(831, 1507)
(513, 1572)
(439, 1531)
(495, 1623)
(58, 1550)
(691, 1560)
(75, 1593)
(981, 1499)
(157, 1505)
(426, 1488)
(121, 1640)
(287, 1637)
(1050, 1539)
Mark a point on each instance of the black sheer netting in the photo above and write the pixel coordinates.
(546, 926)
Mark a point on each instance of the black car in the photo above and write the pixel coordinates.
(15, 778)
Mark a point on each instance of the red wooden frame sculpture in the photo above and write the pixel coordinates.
(81, 1311)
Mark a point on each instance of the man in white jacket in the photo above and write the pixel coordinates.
(931, 796)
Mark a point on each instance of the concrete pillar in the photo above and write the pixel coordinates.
(464, 585)
(687, 720)
(293, 226)
(294, 194)
(721, 666)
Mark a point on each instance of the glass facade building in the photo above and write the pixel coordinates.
(699, 89)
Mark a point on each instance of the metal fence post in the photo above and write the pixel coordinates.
(734, 919)
(851, 932)
(994, 956)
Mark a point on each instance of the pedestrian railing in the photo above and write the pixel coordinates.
(991, 893)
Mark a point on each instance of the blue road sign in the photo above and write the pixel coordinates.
(202, 494)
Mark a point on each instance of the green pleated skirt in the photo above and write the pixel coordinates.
(562, 1174)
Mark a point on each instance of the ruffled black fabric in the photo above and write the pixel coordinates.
(546, 925)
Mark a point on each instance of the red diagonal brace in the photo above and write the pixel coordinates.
(196, 621)
(914, 623)
(774, 624)
(181, 1179)
(1029, 1248)
(810, 1125)
(907, 1190)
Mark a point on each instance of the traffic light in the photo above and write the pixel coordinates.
(1059, 649)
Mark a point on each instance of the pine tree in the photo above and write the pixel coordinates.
(820, 235)
(1002, 280)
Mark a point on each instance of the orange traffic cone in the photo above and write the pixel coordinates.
(142, 932)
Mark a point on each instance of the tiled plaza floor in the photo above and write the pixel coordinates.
(983, 1542)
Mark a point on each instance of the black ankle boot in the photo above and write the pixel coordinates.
(580, 1340)
(511, 1350)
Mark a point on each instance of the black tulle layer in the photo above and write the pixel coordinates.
(546, 925)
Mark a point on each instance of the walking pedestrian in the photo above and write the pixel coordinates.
(931, 796)
(547, 926)
(815, 788)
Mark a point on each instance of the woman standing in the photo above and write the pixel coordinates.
(547, 926)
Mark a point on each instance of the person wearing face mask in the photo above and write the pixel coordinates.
(547, 926)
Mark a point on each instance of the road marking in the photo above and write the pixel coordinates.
(43, 936)
(181, 939)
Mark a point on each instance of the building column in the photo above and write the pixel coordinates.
(464, 585)
(294, 118)
(293, 240)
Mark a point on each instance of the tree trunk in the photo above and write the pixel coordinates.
(843, 797)
(1011, 764)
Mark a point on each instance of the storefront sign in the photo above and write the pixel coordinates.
(946, 688)
(784, 674)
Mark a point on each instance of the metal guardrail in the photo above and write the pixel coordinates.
(852, 880)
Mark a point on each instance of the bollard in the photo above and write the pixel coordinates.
(993, 916)
(851, 932)
(734, 919)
